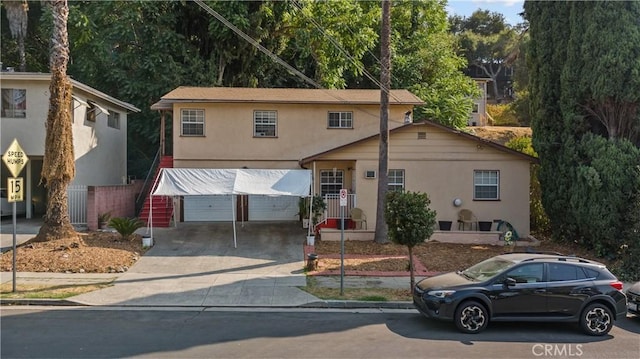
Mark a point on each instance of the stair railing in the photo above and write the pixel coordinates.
(146, 187)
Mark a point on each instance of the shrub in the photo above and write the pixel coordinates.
(126, 226)
(503, 115)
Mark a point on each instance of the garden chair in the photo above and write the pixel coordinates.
(358, 216)
(466, 216)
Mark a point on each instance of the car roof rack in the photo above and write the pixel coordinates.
(530, 251)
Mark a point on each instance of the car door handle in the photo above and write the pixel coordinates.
(540, 291)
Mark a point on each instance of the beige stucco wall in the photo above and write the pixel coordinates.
(100, 151)
(301, 131)
(442, 165)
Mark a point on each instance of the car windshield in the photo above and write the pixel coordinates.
(487, 268)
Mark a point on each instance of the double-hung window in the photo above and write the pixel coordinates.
(265, 123)
(113, 120)
(486, 185)
(331, 182)
(14, 103)
(192, 122)
(340, 119)
(396, 180)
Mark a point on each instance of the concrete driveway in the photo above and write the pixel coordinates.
(196, 264)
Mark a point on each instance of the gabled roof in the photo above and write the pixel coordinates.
(284, 95)
(38, 76)
(463, 134)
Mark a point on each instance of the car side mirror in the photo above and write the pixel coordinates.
(509, 282)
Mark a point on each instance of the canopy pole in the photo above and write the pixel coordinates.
(311, 224)
(233, 212)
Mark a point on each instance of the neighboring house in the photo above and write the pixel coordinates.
(99, 133)
(335, 134)
(504, 81)
(478, 115)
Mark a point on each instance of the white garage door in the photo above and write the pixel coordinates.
(208, 208)
(265, 208)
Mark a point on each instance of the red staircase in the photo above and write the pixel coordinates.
(162, 205)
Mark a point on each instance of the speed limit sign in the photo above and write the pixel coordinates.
(15, 191)
(343, 197)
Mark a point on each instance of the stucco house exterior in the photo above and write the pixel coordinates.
(99, 132)
(335, 133)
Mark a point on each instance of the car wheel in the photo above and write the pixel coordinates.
(596, 319)
(471, 317)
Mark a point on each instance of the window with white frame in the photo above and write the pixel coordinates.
(340, 119)
(192, 122)
(331, 182)
(265, 123)
(396, 180)
(113, 120)
(14, 103)
(486, 185)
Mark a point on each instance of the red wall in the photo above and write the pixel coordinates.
(119, 200)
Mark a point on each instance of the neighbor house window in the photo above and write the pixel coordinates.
(340, 119)
(475, 108)
(331, 182)
(396, 180)
(14, 103)
(264, 123)
(113, 120)
(91, 112)
(192, 122)
(486, 185)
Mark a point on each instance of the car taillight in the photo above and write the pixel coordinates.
(617, 285)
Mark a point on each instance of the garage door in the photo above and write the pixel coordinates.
(208, 208)
(265, 208)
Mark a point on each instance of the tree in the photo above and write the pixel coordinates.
(380, 235)
(58, 167)
(410, 221)
(584, 98)
(17, 16)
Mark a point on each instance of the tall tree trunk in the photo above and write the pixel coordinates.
(17, 16)
(385, 86)
(58, 168)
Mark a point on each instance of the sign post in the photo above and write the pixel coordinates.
(15, 159)
(343, 203)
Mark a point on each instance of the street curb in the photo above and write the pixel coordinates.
(45, 302)
(326, 304)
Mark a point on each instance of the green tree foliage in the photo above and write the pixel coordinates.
(486, 41)
(410, 220)
(584, 95)
(539, 221)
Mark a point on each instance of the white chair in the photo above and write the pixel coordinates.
(358, 216)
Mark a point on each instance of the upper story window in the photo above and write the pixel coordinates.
(265, 123)
(14, 103)
(396, 180)
(340, 119)
(192, 122)
(475, 108)
(113, 120)
(486, 185)
(331, 182)
(91, 112)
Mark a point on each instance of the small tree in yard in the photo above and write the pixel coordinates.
(410, 220)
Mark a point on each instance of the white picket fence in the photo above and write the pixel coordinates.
(77, 202)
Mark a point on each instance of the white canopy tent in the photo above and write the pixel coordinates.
(205, 182)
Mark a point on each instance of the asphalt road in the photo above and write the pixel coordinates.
(55, 332)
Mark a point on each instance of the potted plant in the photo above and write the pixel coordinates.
(103, 219)
(444, 225)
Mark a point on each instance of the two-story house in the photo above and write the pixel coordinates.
(335, 134)
(99, 132)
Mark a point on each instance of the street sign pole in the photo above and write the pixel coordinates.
(13, 263)
(343, 203)
(15, 159)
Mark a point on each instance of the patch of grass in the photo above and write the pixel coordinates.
(43, 291)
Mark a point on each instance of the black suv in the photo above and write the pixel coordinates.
(525, 287)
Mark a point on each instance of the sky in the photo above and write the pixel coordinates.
(508, 8)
